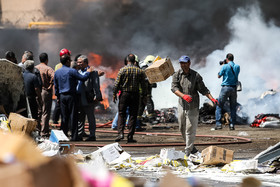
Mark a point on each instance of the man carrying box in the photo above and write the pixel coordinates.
(186, 83)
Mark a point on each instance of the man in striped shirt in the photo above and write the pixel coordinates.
(128, 82)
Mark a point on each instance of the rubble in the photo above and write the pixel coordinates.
(164, 115)
(111, 164)
(108, 165)
(207, 114)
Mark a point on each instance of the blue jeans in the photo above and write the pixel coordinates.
(227, 93)
(115, 121)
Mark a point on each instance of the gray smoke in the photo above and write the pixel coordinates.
(115, 28)
(204, 30)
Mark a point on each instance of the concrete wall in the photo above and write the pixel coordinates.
(20, 13)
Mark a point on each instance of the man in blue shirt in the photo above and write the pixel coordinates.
(229, 72)
(65, 81)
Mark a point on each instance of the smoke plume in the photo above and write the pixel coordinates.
(254, 43)
(204, 30)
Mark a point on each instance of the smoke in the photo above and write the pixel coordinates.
(115, 28)
(255, 46)
(204, 30)
(18, 41)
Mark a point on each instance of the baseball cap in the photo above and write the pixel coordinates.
(184, 58)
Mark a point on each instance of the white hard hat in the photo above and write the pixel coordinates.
(149, 60)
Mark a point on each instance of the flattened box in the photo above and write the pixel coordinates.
(214, 155)
(159, 70)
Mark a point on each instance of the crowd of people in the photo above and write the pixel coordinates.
(77, 88)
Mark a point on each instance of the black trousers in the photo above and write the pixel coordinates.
(131, 100)
(69, 114)
(56, 112)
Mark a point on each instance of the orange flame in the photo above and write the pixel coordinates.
(105, 101)
(94, 59)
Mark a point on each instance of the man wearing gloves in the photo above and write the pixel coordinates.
(186, 83)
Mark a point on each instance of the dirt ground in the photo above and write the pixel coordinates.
(261, 139)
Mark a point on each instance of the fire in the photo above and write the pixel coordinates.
(96, 61)
(105, 101)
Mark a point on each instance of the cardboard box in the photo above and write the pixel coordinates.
(171, 154)
(214, 155)
(58, 172)
(109, 152)
(19, 147)
(160, 70)
(15, 175)
(245, 165)
(21, 124)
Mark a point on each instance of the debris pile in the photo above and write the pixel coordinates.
(164, 115)
(266, 121)
(207, 114)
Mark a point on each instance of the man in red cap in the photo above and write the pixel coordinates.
(186, 83)
(65, 81)
(62, 52)
(56, 112)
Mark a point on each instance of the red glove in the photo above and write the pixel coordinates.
(215, 101)
(187, 98)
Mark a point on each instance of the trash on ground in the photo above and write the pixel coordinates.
(58, 136)
(266, 121)
(21, 124)
(242, 166)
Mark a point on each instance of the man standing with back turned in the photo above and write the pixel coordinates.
(186, 83)
(47, 76)
(229, 72)
(65, 81)
(128, 81)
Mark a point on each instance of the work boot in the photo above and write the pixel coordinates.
(130, 139)
(91, 138)
(194, 150)
(218, 127)
(119, 138)
(231, 127)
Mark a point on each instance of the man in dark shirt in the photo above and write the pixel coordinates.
(32, 89)
(65, 81)
(186, 84)
(89, 95)
(128, 81)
